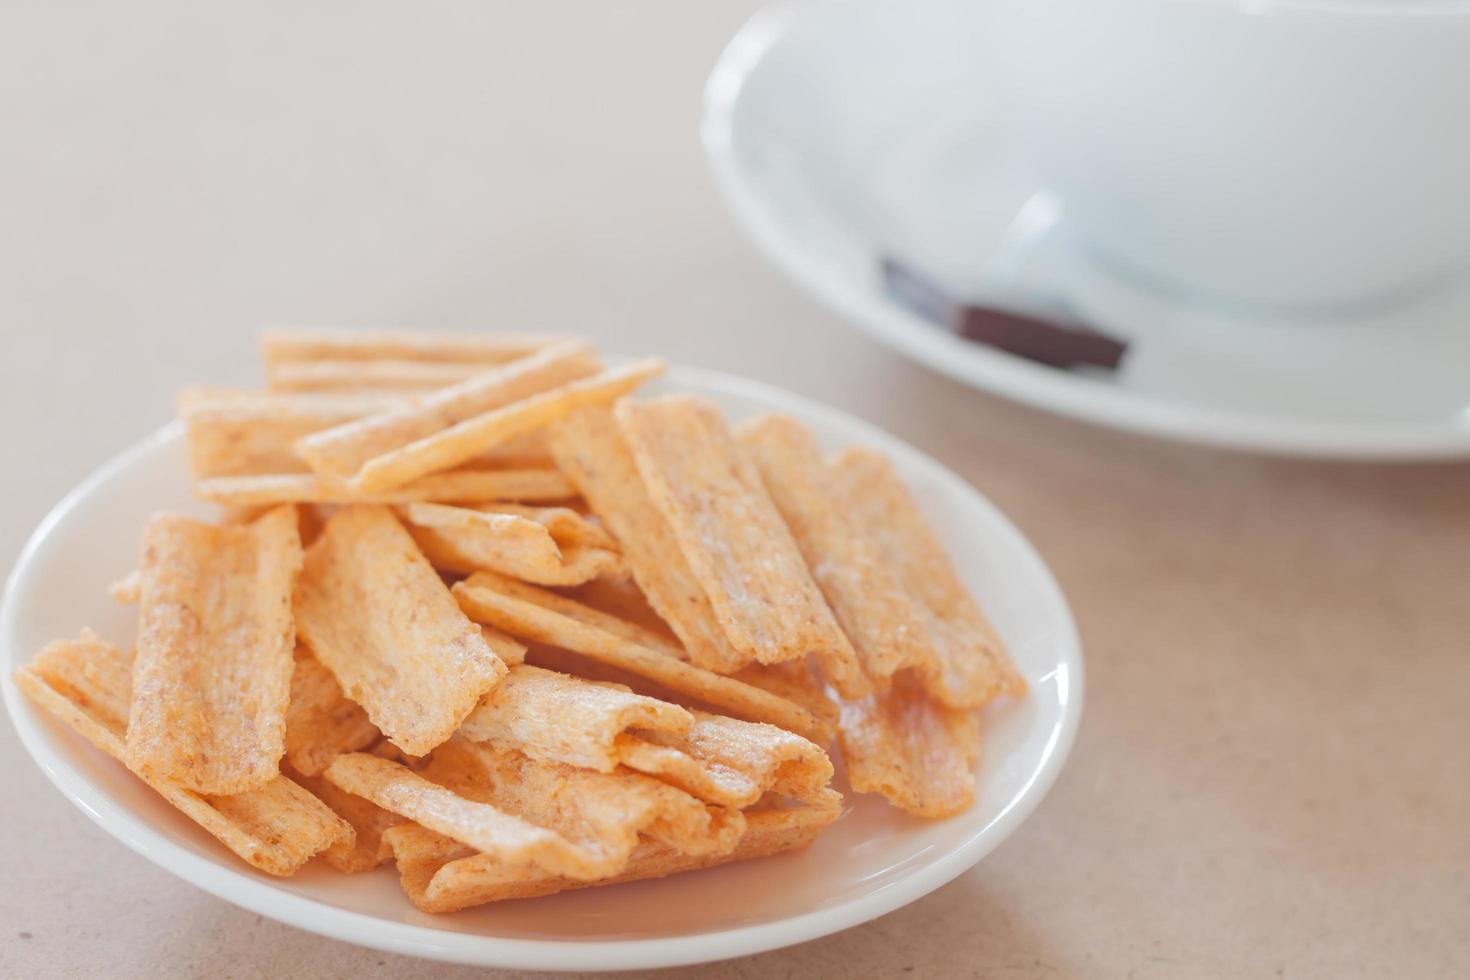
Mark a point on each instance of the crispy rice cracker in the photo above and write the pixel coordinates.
(480, 825)
(733, 537)
(874, 611)
(321, 723)
(973, 664)
(367, 849)
(462, 441)
(456, 486)
(485, 600)
(728, 761)
(234, 433)
(212, 673)
(559, 718)
(281, 344)
(277, 828)
(341, 450)
(366, 376)
(373, 611)
(463, 540)
(441, 875)
(602, 812)
(917, 753)
(590, 448)
(566, 527)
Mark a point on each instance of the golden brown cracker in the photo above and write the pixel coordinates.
(454, 445)
(566, 527)
(321, 723)
(601, 812)
(733, 537)
(729, 761)
(280, 344)
(552, 716)
(373, 611)
(127, 590)
(486, 599)
(465, 540)
(590, 448)
(455, 486)
(231, 433)
(795, 681)
(440, 875)
(917, 753)
(369, 822)
(212, 673)
(973, 664)
(366, 376)
(482, 826)
(510, 650)
(277, 828)
(341, 450)
(872, 608)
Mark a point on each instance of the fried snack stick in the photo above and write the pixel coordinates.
(566, 527)
(528, 813)
(559, 718)
(589, 448)
(874, 611)
(918, 754)
(462, 540)
(796, 682)
(281, 344)
(366, 376)
(734, 539)
(212, 674)
(603, 811)
(441, 875)
(367, 849)
(321, 723)
(528, 612)
(277, 828)
(400, 790)
(728, 761)
(973, 666)
(453, 445)
(342, 450)
(377, 615)
(457, 486)
(241, 432)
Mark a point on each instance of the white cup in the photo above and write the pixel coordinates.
(1285, 153)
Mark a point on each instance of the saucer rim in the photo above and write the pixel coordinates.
(1003, 374)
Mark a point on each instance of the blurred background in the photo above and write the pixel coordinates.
(1271, 777)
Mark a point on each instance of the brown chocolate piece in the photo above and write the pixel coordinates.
(1025, 335)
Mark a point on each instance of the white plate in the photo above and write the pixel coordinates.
(842, 131)
(872, 861)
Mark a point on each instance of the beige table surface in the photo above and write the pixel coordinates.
(1273, 775)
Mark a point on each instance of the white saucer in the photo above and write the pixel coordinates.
(842, 132)
(873, 860)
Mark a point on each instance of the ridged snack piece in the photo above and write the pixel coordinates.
(277, 828)
(470, 485)
(589, 447)
(342, 449)
(973, 666)
(376, 614)
(448, 447)
(734, 538)
(212, 672)
(872, 608)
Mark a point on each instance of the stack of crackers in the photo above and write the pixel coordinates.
(471, 608)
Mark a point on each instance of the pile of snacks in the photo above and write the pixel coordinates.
(471, 608)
